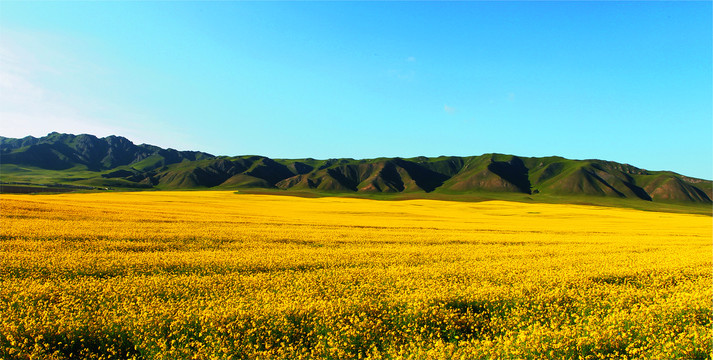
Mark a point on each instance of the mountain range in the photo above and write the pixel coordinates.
(116, 162)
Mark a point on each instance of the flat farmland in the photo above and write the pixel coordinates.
(219, 275)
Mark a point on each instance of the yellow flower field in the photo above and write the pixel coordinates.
(218, 275)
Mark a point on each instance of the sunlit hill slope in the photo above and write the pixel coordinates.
(118, 163)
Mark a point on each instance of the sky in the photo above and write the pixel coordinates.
(630, 82)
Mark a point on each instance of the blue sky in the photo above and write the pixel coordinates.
(623, 81)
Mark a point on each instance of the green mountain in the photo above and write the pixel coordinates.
(64, 151)
(118, 163)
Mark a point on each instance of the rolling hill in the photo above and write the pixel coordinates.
(114, 161)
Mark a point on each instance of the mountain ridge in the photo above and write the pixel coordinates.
(115, 161)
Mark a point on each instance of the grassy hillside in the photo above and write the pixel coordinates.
(114, 162)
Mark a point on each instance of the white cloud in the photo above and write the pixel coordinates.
(401, 74)
(37, 97)
(411, 59)
(29, 108)
(449, 109)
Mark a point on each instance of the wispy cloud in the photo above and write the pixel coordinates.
(37, 96)
(28, 107)
(401, 74)
(449, 109)
(411, 59)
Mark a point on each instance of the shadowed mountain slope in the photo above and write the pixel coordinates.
(63, 151)
(117, 162)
